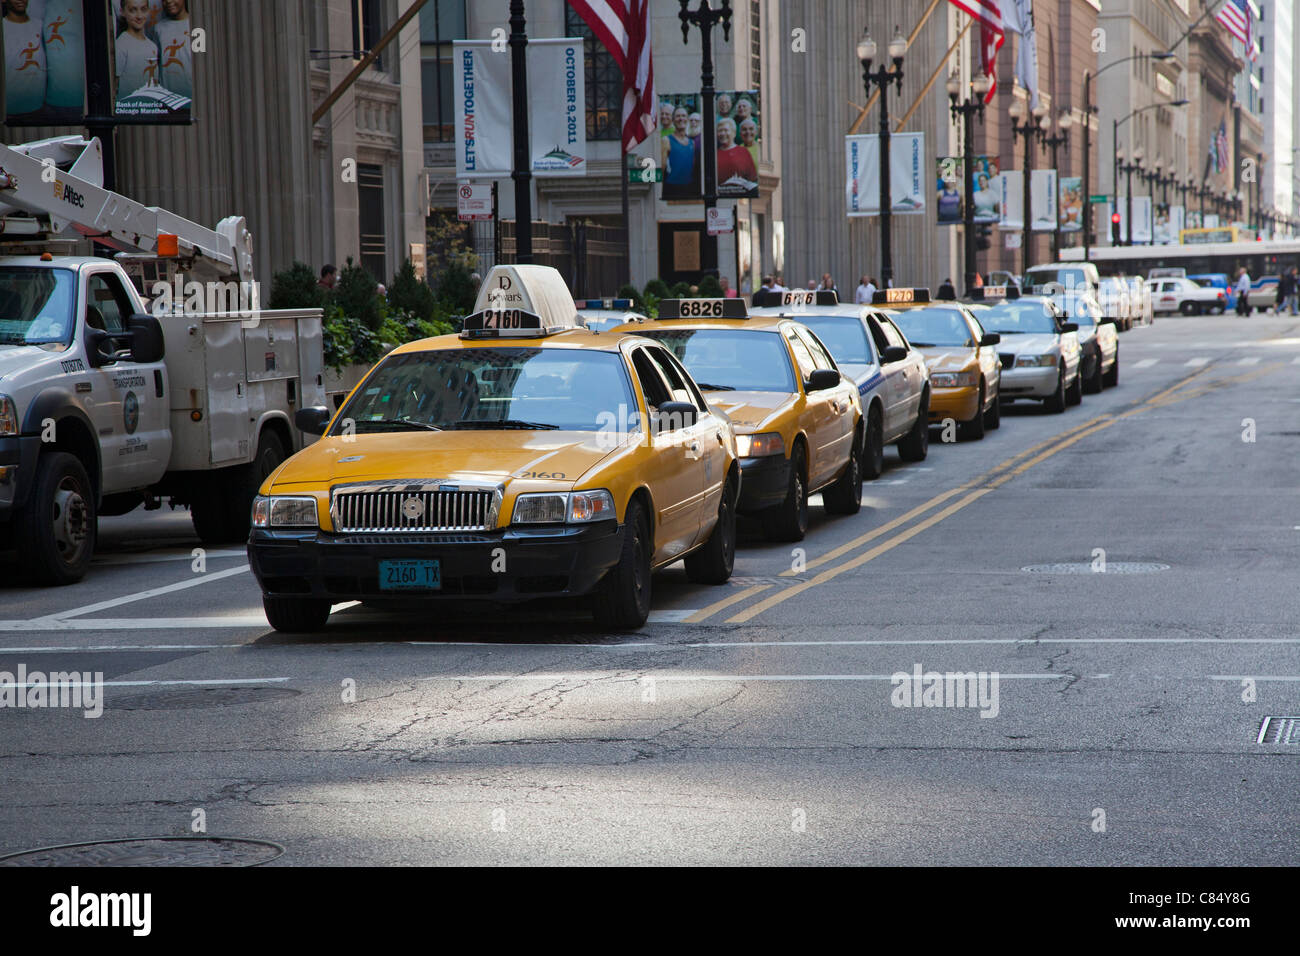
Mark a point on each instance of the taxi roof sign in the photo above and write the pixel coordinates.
(995, 292)
(900, 296)
(533, 290)
(795, 297)
(703, 309)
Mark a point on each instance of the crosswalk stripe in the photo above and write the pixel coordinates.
(1251, 360)
(1196, 362)
(1145, 363)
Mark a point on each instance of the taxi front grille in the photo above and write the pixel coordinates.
(405, 511)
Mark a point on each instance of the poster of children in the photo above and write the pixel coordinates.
(681, 138)
(44, 62)
(153, 59)
(949, 187)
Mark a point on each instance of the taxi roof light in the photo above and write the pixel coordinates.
(703, 309)
(508, 323)
(995, 292)
(900, 296)
(770, 299)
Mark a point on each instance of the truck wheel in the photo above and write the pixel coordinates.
(1188, 308)
(622, 599)
(57, 528)
(713, 563)
(222, 514)
(295, 615)
(788, 521)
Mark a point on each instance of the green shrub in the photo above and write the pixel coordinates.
(710, 288)
(357, 294)
(409, 294)
(348, 340)
(456, 292)
(629, 292)
(681, 290)
(657, 288)
(296, 288)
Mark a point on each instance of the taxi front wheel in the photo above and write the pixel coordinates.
(713, 563)
(845, 496)
(294, 615)
(788, 521)
(622, 600)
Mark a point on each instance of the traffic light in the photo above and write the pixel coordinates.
(984, 238)
(1114, 229)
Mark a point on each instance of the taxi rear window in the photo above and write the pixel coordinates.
(487, 388)
(732, 360)
(843, 335)
(932, 328)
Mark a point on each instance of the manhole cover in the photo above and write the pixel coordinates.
(1086, 567)
(1280, 730)
(151, 851)
(194, 698)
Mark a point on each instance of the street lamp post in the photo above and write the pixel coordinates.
(882, 77)
(967, 110)
(1137, 153)
(522, 173)
(1054, 142)
(1029, 125)
(706, 18)
(1128, 169)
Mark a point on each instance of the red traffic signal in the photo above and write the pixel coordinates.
(1114, 218)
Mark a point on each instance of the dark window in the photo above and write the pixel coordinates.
(604, 81)
(368, 27)
(755, 45)
(370, 209)
(441, 22)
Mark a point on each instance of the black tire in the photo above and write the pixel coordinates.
(1093, 384)
(622, 600)
(296, 615)
(1056, 403)
(1111, 378)
(993, 417)
(222, 515)
(973, 430)
(916, 446)
(56, 531)
(713, 563)
(788, 521)
(1074, 394)
(845, 496)
(873, 455)
(1187, 308)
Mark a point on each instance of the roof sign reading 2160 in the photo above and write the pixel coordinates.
(496, 322)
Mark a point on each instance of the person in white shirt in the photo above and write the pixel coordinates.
(137, 53)
(24, 59)
(174, 39)
(865, 291)
(1243, 293)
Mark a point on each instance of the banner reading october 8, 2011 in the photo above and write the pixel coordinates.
(908, 176)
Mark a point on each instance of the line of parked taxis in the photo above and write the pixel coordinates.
(532, 456)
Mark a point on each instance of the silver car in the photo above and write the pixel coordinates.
(1098, 340)
(1040, 354)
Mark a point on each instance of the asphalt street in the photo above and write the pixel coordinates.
(1126, 569)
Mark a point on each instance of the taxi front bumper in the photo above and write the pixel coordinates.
(764, 482)
(509, 565)
(960, 404)
(1029, 382)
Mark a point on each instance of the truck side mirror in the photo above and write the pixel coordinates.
(147, 343)
(99, 347)
(312, 420)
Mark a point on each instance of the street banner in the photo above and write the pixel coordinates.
(1141, 219)
(1193, 218)
(1072, 204)
(907, 176)
(681, 139)
(737, 128)
(153, 59)
(44, 63)
(1011, 186)
(557, 118)
(1042, 200)
(1211, 220)
(950, 188)
(1168, 223)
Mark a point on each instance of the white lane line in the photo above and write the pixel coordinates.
(1196, 362)
(1240, 677)
(1296, 360)
(133, 624)
(101, 648)
(152, 558)
(673, 616)
(1249, 360)
(689, 678)
(143, 595)
(1145, 363)
(169, 683)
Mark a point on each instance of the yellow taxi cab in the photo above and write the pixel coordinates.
(965, 370)
(798, 419)
(525, 457)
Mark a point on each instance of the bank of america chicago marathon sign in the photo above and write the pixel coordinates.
(906, 174)
(557, 97)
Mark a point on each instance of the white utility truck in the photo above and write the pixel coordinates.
(109, 400)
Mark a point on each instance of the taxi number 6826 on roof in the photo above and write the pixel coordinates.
(702, 308)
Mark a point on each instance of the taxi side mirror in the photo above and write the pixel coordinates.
(991, 338)
(894, 353)
(1069, 326)
(312, 420)
(675, 415)
(822, 379)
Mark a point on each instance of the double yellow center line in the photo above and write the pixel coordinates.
(965, 494)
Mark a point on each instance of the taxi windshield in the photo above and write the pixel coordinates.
(1024, 318)
(731, 360)
(932, 328)
(489, 389)
(844, 335)
(36, 306)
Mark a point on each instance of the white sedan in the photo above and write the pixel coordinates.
(1185, 296)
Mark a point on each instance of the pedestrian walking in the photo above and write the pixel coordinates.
(865, 290)
(947, 292)
(1292, 298)
(1243, 292)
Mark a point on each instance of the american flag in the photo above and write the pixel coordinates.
(623, 28)
(992, 34)
(1236, 16)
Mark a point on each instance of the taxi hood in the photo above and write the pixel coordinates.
(750, 410)
(461, 455)
(947, 359)
(1028, 343)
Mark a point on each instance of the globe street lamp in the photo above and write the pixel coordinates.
(705, 18)
(882, 77)
(1054, 142)
(966, 110)
(1030, 126)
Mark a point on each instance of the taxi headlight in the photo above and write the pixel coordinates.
(575, 507)
(1036, 361)
(282, 511)
(8, 416)
(760, 445)
(952, 379)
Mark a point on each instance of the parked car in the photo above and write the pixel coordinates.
(1140, 300)
(1098, 341)
(1183, 295)
(1218, 280)
(1067, 275)
(1038, 351)
(1116, 301)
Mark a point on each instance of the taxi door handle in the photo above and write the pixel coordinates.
(693, 448)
